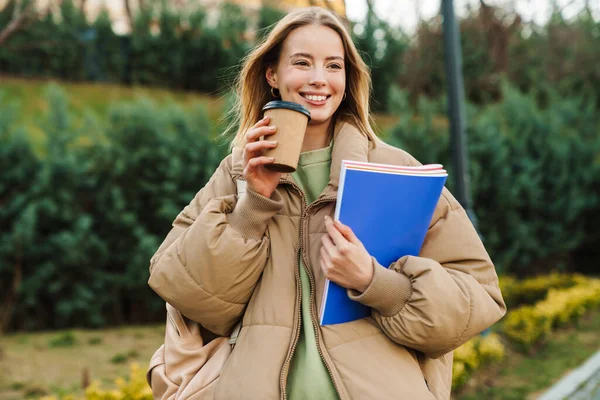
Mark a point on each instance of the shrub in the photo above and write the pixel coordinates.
(66, 339)
(158, 158)
(382, 48)
(55, 243)
(534, 174)
(119, 358)
(530, 325)
(80, 220)
(476, 353)
(133, 387)
(528, 291)
(95, 341)
(496, 44)
(20, 167)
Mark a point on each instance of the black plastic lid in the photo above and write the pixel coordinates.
(286, 104)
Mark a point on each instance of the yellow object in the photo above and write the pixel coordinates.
(133, 388)
(474, 354)
(530, 324)
(529, 291)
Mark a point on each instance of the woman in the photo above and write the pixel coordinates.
(263, 254)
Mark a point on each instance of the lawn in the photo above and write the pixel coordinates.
(523, 376)
(34, 364)
(96, 98)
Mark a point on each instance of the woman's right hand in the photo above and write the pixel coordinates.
(258, 178)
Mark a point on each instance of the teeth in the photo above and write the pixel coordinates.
(315, 98)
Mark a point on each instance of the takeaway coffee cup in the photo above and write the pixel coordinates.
(291, 120)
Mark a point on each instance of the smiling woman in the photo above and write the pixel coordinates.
(311, 72)
(256, 246)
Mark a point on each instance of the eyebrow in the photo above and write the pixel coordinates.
(306, 55)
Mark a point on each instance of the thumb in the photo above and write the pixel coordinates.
(346, 231)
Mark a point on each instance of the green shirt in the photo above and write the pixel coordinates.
(308, 377)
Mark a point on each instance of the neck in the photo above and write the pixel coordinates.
(316, 137)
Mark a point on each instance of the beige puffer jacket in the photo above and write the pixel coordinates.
(230, 255)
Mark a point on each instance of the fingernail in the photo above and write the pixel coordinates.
(273, 142)
(272, 128)
(272, 158)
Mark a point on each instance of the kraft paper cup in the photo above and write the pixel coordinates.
(291, 120)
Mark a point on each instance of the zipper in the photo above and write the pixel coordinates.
(313, 303)
(298, 325)
(300, 247)
(288, 358)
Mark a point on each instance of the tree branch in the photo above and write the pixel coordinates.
(6, 307)
(16, 22)
(20, 18)
(129, 12)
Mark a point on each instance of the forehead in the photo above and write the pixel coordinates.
(316, 40)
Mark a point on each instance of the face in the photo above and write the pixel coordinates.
(311, 71)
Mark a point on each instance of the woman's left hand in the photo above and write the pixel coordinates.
(344, 259)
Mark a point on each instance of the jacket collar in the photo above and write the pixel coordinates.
(348, 144)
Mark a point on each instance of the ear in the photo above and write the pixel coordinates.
(271, 76)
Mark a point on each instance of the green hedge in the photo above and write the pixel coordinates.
(561, 55)
(535, 175)
(82, 220)
(186, 53)
(181, 49)
(169, 47)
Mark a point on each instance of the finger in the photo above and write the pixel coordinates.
(338, 239)
(325, 258)
(255, 147)
(258, 161)
(255, 133)
(324, 268)
(346, 231)
(326, 265)
(262, 122)
(328, 246)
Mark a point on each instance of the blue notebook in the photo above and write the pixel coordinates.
(389, 208)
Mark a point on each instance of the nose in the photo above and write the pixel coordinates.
(318, 78)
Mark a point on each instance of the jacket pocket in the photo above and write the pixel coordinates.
(201, 385)
(162, 386)
(207, 393)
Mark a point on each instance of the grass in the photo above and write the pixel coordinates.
(33, 365)
(96, 98)
(522, 376)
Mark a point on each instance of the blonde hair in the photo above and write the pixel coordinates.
(253, 91)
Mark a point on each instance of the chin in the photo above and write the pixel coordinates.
(319, 121)
(319, 115)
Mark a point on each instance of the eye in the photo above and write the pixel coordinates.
(301, 63)
(335, 66)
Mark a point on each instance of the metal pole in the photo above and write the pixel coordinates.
(456, 113)
(456, 108)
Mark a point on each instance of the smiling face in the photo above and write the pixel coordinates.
(311, 71)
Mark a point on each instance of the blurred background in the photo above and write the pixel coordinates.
(110, 115)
